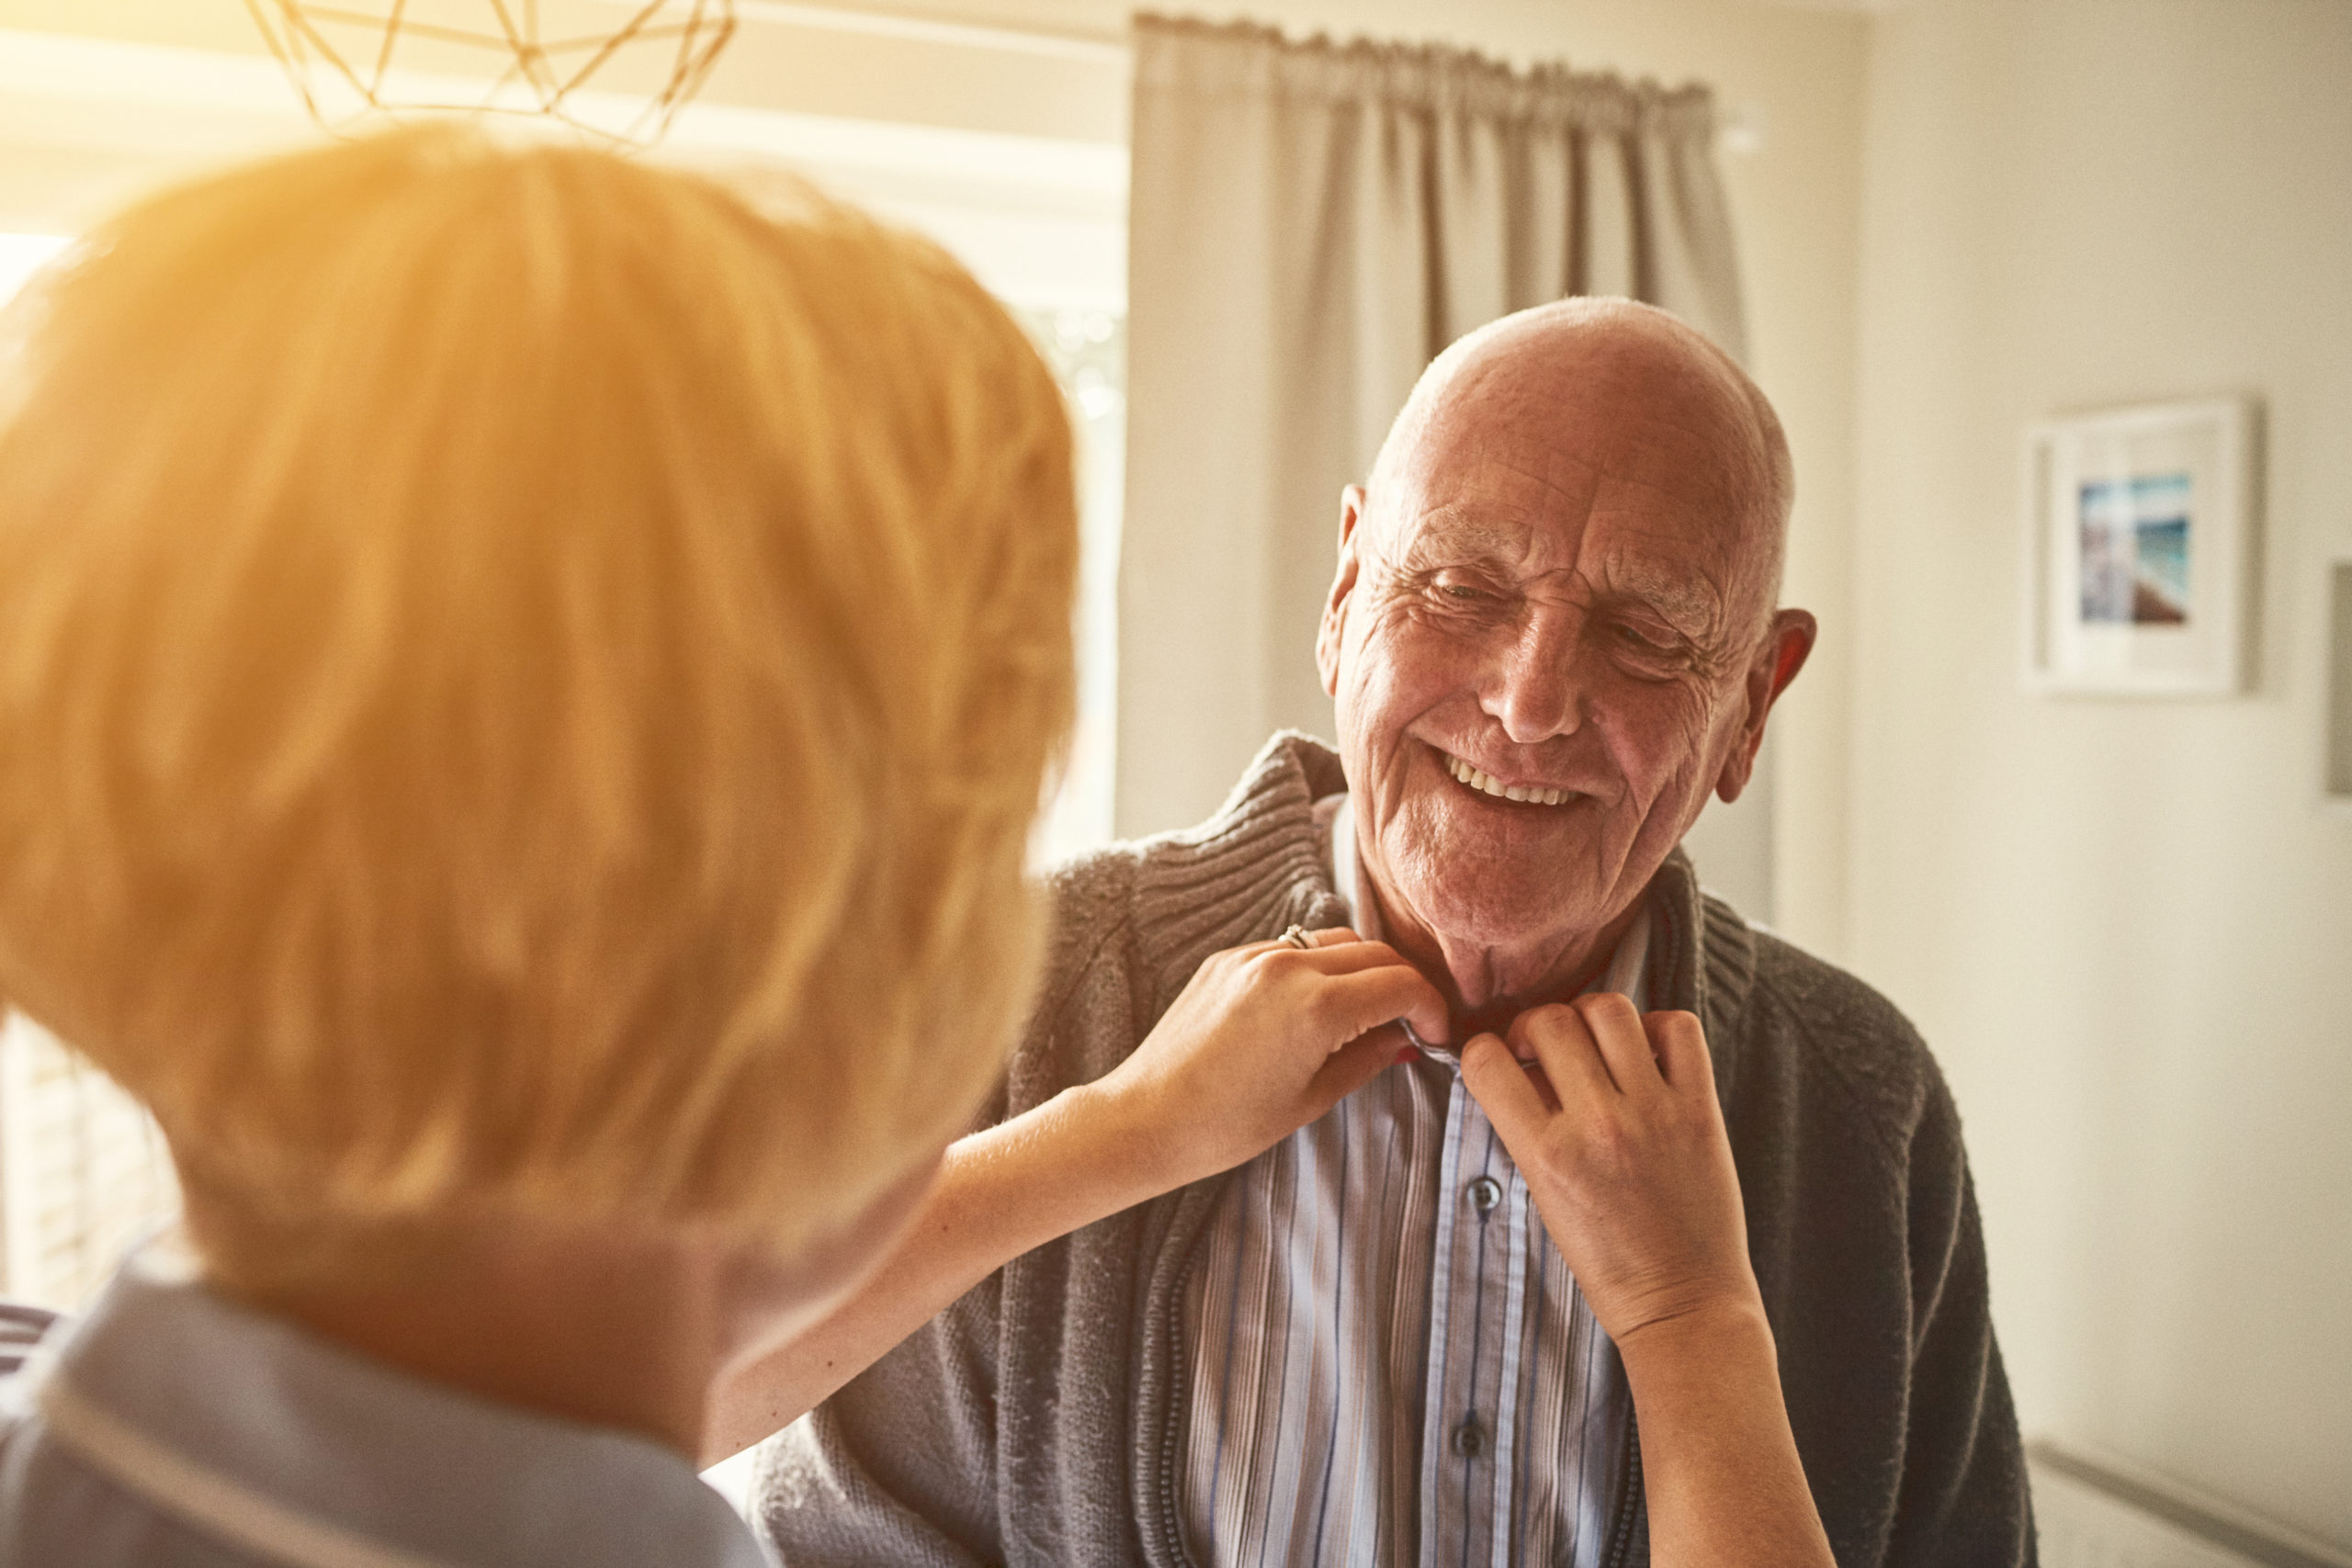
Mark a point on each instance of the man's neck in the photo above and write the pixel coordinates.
(1487, 987)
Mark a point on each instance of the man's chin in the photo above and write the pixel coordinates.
(1505, 904)
(1515, 878)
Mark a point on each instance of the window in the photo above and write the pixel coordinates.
(82, 1172)
(1088, 351)
(84, 1175)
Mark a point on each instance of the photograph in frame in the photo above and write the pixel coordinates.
(2138, 550)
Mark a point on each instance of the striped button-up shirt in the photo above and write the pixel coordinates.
(1391, 1363)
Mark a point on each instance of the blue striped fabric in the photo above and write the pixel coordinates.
(1392, 1363)
(175, 1426)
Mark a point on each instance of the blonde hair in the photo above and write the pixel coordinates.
(524, 685)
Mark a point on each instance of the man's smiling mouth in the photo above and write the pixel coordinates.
(1486, 784)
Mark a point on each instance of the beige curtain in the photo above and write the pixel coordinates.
(1310, 224)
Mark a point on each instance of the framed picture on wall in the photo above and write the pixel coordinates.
(2139, 550)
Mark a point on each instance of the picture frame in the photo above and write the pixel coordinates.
(2139, 550)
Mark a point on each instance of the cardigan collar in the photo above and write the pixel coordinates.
(1254, 868)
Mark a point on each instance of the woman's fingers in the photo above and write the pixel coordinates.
(1617, 1033)
(1557, 1037)
(1360, 1000)
(1328, 936)
(1504, 1091)
(1680, 1043)
(1343, 952)
(1354, 1064)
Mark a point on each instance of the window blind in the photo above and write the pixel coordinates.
(83, 1173)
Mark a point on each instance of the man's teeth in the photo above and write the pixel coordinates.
(1486, 786)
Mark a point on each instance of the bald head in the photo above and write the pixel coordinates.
(1552, 634)
(1566, 378)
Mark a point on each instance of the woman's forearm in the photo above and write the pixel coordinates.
(1000, 1192)
(1719, 1462)
(1262, 1040)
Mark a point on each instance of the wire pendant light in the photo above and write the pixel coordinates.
(619, 70)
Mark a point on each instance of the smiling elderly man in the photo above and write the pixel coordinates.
(1552, 636)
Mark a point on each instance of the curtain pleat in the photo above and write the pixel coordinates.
(1310, 224)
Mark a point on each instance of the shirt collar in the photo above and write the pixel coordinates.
(254, 1429)
(1625, 973)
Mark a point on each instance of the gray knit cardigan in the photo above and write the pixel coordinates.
(1040, 1419)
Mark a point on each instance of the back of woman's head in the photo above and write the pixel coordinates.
(522, 687)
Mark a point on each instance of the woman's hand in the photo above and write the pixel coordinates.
(1622, 1147)
(1263, 1039)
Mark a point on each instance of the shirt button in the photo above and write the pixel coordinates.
(1470, 1438)
(1485, 1193)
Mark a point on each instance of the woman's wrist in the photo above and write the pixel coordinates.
(1727, 1333)
(1720, 1467)
(1122, 1144)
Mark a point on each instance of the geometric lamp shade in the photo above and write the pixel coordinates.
(361, 58)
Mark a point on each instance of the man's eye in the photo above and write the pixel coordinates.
(1635, 638)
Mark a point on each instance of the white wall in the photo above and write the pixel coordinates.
(2126, 927)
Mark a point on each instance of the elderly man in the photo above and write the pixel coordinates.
(1470, 1314)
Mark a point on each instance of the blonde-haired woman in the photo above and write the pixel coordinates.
(524, 684)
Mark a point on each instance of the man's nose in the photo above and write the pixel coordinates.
(1536, 692)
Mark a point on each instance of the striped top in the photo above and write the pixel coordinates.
(1392, 1363)
(172, 1426)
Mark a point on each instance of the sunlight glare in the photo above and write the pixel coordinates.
(21, 255)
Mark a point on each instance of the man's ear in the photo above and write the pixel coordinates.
(1343, 586)
(1776, 663)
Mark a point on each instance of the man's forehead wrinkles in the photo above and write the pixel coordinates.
(1467, 530)
(1688, 595)
(1708, 563)
(1500, 508)
(1557, 466)
(1497, 442)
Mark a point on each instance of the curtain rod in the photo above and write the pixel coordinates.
(1740, 133)
(1102, 47)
